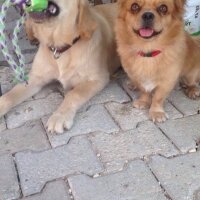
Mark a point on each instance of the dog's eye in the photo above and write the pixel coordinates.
(135, 8)
(163, 9)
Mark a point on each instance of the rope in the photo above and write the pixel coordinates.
(18, 68)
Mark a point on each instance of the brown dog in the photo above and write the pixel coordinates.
(155, 50)
(77, 48)
(190, 76)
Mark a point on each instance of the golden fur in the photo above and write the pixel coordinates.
(155, 77)
(83, 70)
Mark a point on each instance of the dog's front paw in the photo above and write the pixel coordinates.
(58, 122)
(192, 92)
(159, 117)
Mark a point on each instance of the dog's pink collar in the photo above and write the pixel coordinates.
(149, 54)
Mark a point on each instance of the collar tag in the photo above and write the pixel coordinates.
(149, 54)
(56, 53)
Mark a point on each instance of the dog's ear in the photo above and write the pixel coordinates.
(179, 7)
(86, 22)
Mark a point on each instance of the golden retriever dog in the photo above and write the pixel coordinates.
(155, 50)
(77, 48)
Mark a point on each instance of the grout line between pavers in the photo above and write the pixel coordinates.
(96, 152)
(128, 94)
(46, 134)
(168, 138)
(171, 102)
(43, 188)
(18, 177)
(68, 188)
(159, 182)
(5, 121)
(118, 125)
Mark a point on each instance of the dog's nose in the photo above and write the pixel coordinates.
(148, 16)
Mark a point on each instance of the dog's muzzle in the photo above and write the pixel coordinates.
(147, 26)
(148, 19)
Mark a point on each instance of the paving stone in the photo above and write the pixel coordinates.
(179, 176)
(113, 166)
(2, 57)
(196, 195)
(136, 183)
(36, 169)
(53, 191)
(93, 120)
(143, 141)
(9, 188)
(29, 57)
(1, 66)
(120, 77)
(184, 104)
(24, 44)
(126, 116)
(22, 34)
(9, 30)
(12, 14)
(134, 94)
(171, 111)
(113, 92)
(3, 62)
(28, 137)
(6, 75)
(47, 90)
(185, 133)
(32, 110)
(6, 88)
(6, 79)
(2, 125)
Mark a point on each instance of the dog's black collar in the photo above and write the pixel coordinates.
(57, 51)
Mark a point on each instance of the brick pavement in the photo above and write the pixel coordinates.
(113, 152)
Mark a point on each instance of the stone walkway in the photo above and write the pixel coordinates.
(113, 152)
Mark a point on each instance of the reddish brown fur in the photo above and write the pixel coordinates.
(180, 53)
(190, 76)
